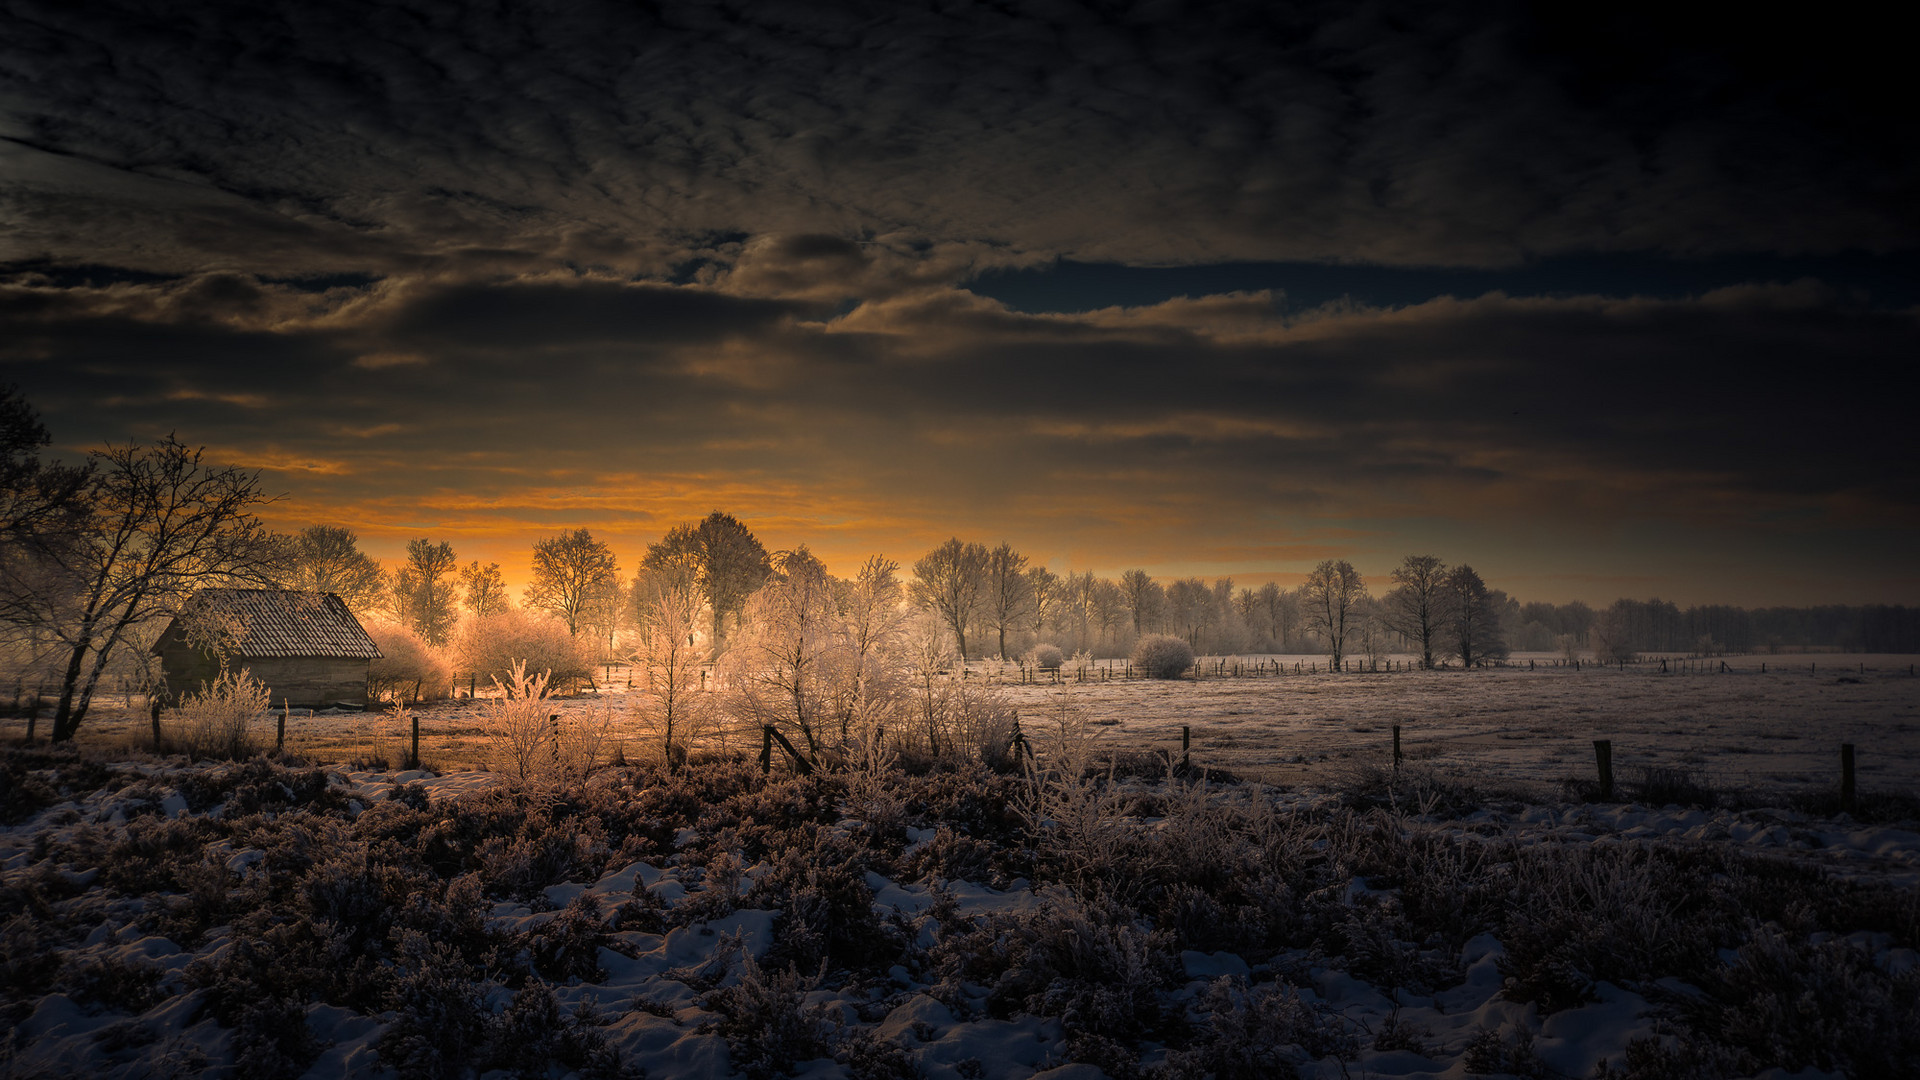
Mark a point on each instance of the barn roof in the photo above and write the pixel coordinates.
(274, 623)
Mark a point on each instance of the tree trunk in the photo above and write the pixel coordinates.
(65, 723)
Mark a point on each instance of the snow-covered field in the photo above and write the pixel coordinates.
(253, 920)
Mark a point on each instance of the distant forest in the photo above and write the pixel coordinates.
(1662, 626)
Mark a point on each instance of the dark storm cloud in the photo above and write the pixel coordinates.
(444, 137)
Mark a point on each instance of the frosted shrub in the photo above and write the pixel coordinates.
(520, 737)
(408, 669)
(1073, 807)
(213, 722)
(1048, 657)
(487, 647)
(767, 1026)
(1162, 656)
(1264, 1031)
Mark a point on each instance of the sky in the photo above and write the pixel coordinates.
(1603, 303)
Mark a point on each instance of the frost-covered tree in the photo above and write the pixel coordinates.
(668, 609)
(729, 560)
(949, 581)
(1008, 596)
(1144, 598)
(327, 558)
(778, 665)
(873, 618)
(422, 592)
(1044, 589)
(485, 590)
(570, 572)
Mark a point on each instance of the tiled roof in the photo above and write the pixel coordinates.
(276, 623)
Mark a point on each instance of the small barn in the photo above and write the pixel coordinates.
(306, 646)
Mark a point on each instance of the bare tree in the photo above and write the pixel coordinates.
(1008, 598)
(1073, 611)
(485, 589)
(1417, 606)
(730, 561)
(1046, 596)
(571, 571)
(1144, 599)
(1110, 609)
(1282, 611)
(1189, 609)
(1331, 593)
(159, 523)
(423, 593)
(1473, 615)
(328, 559)
(40, 503)
(43, 514)
(949, 581)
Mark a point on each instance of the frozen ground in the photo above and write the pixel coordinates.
(146, 915)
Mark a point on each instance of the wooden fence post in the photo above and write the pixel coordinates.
(800, 761)
(1603, 756)
(1846, 778)
(1186, 741)
(1396, 746)
(766, 748)
(280, 734)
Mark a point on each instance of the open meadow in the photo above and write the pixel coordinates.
(1740, 730)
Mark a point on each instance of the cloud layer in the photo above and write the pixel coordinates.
(438, 136)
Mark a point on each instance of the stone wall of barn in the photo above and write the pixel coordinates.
(309, 682)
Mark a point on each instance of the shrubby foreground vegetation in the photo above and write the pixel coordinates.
(393, 912)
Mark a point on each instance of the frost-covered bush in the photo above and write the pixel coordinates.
(486, 647)
(1094, 965)
(440, 1017)
(1265, 1031)
(1162, 656)
(128, 985)
(567, 946)
(1048, 657)
(409, 669)
(818, 882)
(768, 1027)
(522, 739)
(214, 722)
(533, 1035)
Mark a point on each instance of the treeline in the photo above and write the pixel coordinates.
(96, 558)
(1713, 629)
